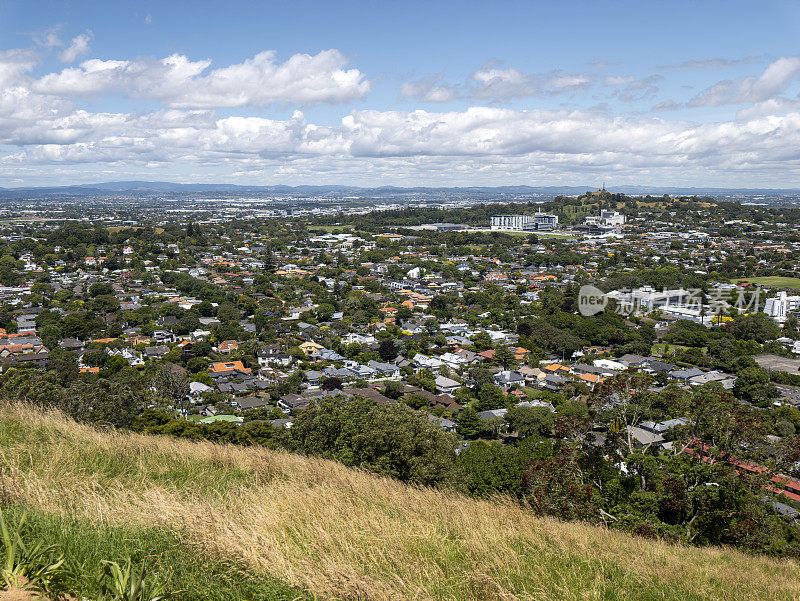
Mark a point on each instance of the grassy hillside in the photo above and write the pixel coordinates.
(341, 533)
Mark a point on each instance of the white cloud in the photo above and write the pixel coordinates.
(14, 65)
(78, 47)
(618, 80)
(773, 106)
(180, 82)
(492, 81)
(714, 63)
(48, 38)
(52, 137)
(751, 89)
(429, 89)
(638, 89)
(480, 142)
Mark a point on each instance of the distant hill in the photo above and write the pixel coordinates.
(147, 187)
(335, 532)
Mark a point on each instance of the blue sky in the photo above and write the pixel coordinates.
(411, 93)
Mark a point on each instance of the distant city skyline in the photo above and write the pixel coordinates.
(680, 94)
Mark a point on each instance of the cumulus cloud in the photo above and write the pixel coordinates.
(14, 64)
(41, 118)
(78, 47)
(181, 82)
(495, 81)
(773, 106)
(479, 135)
(751, 89)
(429, 89)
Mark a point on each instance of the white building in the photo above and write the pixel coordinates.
(612, 218)
(649, 298)
(414, 273)
(530, 223)
(776, 307)
(607, 219)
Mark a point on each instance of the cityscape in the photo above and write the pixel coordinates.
(303, 301)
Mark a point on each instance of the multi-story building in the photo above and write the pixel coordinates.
(606, 220)
(776, 307)
(538, 222)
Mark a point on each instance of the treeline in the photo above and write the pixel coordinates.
(74, 233)
(193, 287)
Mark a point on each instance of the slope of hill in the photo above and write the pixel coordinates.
(340, 533)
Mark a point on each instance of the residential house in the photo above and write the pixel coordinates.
(645, 438)
(422, 362)
(313, 378)
(227, 346)
(385, 370)
(132, 356)
(492, 414)
(250, 402)
(156, 352)
(327, 355)
(227, 366)
(506, 379)
(272, 376)
(725, 380)
(273, 355)
(309, 347)
(533, 375)
(197, 390)
(71, 344)
(358, 338)
(445, 424)
(553, 382)
(632, 360)
(685, 375)
(536, 403)
(446, 385)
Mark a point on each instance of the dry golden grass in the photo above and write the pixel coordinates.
(345, 534)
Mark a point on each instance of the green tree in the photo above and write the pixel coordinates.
(482, 341)
(469, 424)
(388, 350)
(506, 358)
(530, 421)
(490, 396)
(753, 384)
(390, 440)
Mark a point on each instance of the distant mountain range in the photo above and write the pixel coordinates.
(144, 187)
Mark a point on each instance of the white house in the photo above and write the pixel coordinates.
(609, 364)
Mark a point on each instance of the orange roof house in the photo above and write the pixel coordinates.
(227, 346)
(228, 366)
(590, 378)
(519, 352)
